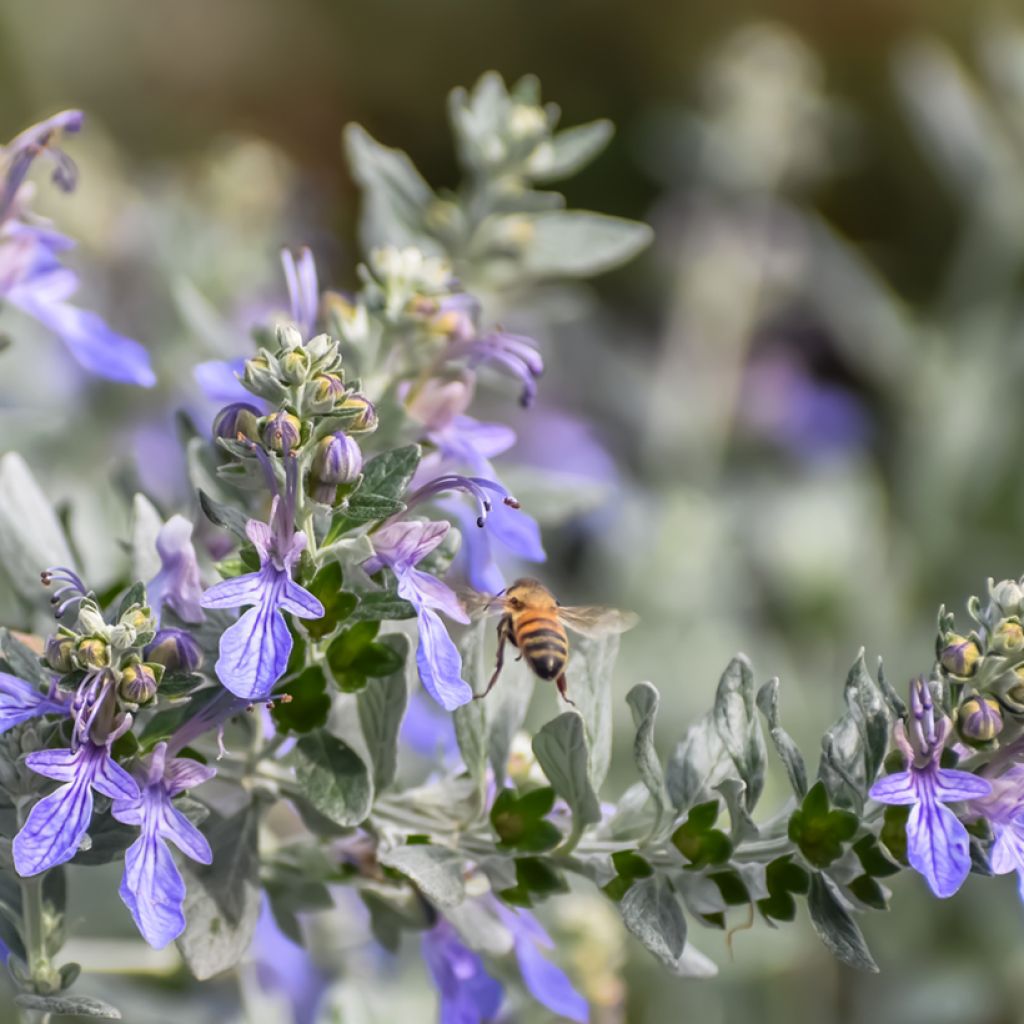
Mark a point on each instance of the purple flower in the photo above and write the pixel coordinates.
(32, 277)
(428, 731)
(513, 354)
(937, 842)
(303, 289)
(400, 545)
(254, 651)
(544, 980)
(1004, 809)
(177, 583)
(469, 995)
(218, 379)
(56, 823)
(152, 887)
(21, 701)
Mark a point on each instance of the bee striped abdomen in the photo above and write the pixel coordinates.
(543, 643)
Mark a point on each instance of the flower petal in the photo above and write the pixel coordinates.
(235, 592)
(951, 785)
(179, 830)
(898, 788)
(112, 780)
(153, 890)
(183, 773)
(62, 765)
(549, 984)
(20, 701)
(423, 589)
(300, 602)
(54, 828)
(439, 663)
(254, 652)
(937, 847)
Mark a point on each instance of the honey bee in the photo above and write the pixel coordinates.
(534, 622)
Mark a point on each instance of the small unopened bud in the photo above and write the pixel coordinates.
(328, 388)
(237, 418)
(176, 650)
(138, 619)
(281, 430)
(92, 652)
(960, 655)
(295, 365)
(367, 418)
(979, 719)
(138, 684)
(1008, 637)
(289, 338)
(338, 460)
(1009, 596)
(60, 653)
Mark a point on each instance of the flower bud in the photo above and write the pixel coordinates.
(138, 619)
(1008, 637)
(138, 684)
(295, 365)
(289, 337)
(959, 655)
(327, 388)
(338, 460)
(1009, 596)
(281, 430)
(60, 653)
(979, 719)
(92, 652)
(237, 418)
(367, 419)
(176, 650)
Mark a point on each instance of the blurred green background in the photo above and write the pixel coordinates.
(810, 385)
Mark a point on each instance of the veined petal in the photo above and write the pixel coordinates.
(20, 701)
(1007, 853)
(183, 773)
(62, 765)
(439, 663)
(937, 847)
(112, 780)
(300, 602)
(174, 826)
(549, 984)
(235, 592)
(423, 589)
(898, 788)
(254, 652)
(951, 785)
(54, 828)
(153, 890)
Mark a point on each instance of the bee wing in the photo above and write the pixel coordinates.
(594, 621)
(479, 605)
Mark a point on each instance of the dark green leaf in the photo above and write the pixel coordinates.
(789, 753)
(869, 892)
(697, 839)
(380, 606)
(338, 604)
(381, 706)
(819, 831)
(732, 887)
(309, 704)
(134, 596)
(783, 878)
(873, 858)
(835, 927)
(333, 778)
(894, 832)
(385, 476)
(364, 507)
(223, 515)
(376, 660)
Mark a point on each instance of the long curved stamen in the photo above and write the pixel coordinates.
(72, 592)
(476, 486)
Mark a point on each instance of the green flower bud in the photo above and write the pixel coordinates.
(367, 419)
(959, 655)
(289, 338)
(92, 652)
(295, 365)
(60, 653)
(138, 619)
(282, 430)
(327, 388)
(175, 650)
(139, 683)
(1009, 596)
(1008, 637)
(979, 719)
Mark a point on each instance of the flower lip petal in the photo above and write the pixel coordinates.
(937, 847)
(439, 663)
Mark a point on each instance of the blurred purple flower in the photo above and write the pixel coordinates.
(303, 289)
(254, 651)
(515, 355)
(427, 731)
(469, 995)
(937, 842)
(219, 381)
(20, 701)
(56, 824)
(1004, 809)
(177, 583)
(400, 545)
(32, 277)
(152, 887)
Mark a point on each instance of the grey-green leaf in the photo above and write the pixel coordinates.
(561, 751)
(738, 726)
(436, 870)
(789, 753)
(590, 671)
(333, 778)
(652, 913)
(471, 719)
(381, 704)
(836, 927)
(146, 524)
(68, 1006)
(643, 703)
(570, 150)
(698, 763)
(577, 243)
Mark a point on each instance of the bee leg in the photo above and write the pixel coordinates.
(502, 637)
(562, 689)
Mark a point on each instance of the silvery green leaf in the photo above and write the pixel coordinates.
(68, 1006)
(576, 243)
(21, 660)
(789, 753)
(561, 750)
(643, 703)
(505, 708)
(395, 195)
(471, 719)
(381, 704)
(738, 726)
(694, 964)
(632, 818)
(222, 903)
(31, 537)
(570, 150)
(333, 778)
(853, 748)
(652, 913)
(589, 674)
(835, 926)
(741, 824)
(698, 763)
(224, 515)
(146, 523)
(480, 928)
(436, 871)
